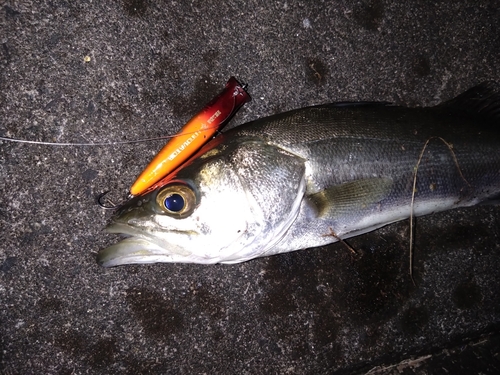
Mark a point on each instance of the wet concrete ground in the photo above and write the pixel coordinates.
(105, 71)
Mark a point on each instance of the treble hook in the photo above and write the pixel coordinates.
(103, 205)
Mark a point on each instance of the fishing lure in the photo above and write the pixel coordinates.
(198, 131)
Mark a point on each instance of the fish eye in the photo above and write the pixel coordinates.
(177, 200)
(174, 203)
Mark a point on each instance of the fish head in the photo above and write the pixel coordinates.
(231, 204)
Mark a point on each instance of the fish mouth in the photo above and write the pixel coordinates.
(131, 250)
(138, 248)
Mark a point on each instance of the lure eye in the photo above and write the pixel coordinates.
(178, 200)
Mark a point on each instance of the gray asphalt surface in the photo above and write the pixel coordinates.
(106, 71)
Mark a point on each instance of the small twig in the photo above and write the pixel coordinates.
(332, 234)
(316, 73)
(399, 366)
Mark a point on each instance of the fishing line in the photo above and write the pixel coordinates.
(414, 189)
(108, 205)
(97, 144)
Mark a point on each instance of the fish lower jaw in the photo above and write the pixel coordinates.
(137, 250)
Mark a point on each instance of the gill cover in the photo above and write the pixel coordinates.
(273, 180)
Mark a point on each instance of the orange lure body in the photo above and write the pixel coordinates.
(198, 131)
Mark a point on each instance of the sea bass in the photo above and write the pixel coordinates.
(312, 176)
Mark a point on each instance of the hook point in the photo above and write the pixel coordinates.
(103, 205)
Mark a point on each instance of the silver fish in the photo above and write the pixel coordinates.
(308, 177)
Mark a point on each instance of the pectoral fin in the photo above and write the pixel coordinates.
(351, 196)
